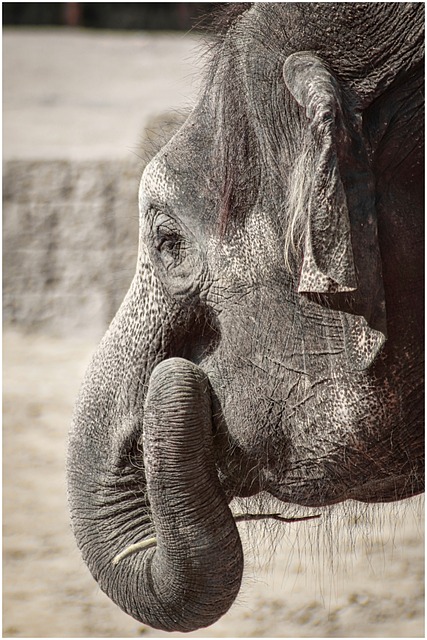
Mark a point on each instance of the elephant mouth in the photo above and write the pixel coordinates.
(388, 489)
(391, 489)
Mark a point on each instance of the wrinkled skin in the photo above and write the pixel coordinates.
(272, 337)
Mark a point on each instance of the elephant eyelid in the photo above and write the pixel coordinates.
(160, 219)
(154, 212)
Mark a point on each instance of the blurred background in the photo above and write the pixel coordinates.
(109, 15)
(90, 92)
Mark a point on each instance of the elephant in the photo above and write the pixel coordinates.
(271, 340)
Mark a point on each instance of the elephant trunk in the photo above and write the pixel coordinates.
(190, 570)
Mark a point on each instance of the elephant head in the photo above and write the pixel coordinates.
(271, 339)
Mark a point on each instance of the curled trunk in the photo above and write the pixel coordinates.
(191, 574)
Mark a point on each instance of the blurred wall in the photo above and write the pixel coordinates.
(69, 243)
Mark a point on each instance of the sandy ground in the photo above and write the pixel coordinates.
(346, 575)
(88, 95)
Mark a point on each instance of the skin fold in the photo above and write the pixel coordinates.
(272, 337)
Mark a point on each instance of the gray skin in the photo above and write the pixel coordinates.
(272, 337)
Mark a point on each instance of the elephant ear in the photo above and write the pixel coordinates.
(328, 264)
(341, 250)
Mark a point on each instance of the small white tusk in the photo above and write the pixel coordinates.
(134, 548)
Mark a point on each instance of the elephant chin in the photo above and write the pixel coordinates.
(186, 574)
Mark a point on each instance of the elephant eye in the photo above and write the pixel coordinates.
(169, 247)
(169, 244)
(173, 251)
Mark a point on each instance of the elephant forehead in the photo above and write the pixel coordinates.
(157, 185)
